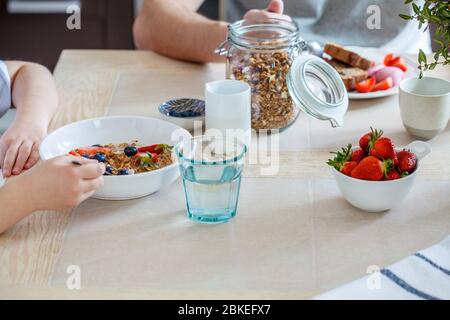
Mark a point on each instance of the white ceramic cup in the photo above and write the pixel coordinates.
(227, 109)
(424, 106)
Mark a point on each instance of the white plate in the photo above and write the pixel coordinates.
(117, 130)
(378, 55)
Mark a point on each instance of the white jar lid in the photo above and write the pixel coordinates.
(317, 89)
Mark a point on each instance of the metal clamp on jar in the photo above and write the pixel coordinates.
(271, 57)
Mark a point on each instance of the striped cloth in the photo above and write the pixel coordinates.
(5, 89)
(423, 275)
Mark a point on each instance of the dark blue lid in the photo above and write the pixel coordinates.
(183, 108)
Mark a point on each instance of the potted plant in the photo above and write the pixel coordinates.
(435, 12)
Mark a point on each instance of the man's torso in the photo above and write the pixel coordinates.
(341, 21)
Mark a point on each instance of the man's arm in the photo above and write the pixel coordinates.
(174, 29)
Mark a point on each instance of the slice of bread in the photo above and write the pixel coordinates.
(346, 56)
(349, 75)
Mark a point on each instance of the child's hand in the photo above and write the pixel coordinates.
(19, 147)
(58, 184)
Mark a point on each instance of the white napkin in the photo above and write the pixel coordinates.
(423, 275)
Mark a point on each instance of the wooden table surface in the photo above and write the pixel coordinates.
(88, 83)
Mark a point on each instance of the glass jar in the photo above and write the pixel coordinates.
(285, 78)
(261, 54)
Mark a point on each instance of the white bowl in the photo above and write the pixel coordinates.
(116, 130)
(379, 196)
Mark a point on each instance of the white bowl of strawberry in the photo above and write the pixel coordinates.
(376, 176)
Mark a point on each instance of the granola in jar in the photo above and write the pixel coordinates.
(261, 54)
(272, 107)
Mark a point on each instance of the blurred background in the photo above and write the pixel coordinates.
(35, 30)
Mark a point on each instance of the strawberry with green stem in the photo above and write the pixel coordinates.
(383, 148)
(155, 148)
(342, 161)
(367, 141)
(372, 168)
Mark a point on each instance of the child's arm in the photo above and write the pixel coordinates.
(55, 184)
(35, 98)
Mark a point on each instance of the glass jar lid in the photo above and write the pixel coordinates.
(268, 34)
(317, 89)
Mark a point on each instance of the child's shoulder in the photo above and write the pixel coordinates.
(5, 89)
(4, 75)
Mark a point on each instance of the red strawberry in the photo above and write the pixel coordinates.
(348, 167)
(395, 160)
(407, 161)
(358, 155)
(155, 148)
(384, 85)
(366, 141)
(393, 175)
(387, 60)
(371, 168)
(399, 63)
(366, 85)
(383, 148)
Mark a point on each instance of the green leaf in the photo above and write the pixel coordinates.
(340, 157)
(445, 13)
(439, 42)
(445, 53)
(422, 57)
(435, 19)
(146, 161)
(437, 55)
(427, 12)
(405, 16)
(435, 12)
(163, 147)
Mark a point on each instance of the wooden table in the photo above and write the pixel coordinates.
(95, 83)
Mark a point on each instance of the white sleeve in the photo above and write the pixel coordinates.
(5, 89)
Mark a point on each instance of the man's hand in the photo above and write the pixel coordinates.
(19, 147)
(273, 11)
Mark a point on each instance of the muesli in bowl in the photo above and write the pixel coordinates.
(128, 158)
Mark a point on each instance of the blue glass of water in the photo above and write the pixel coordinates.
(211, 170)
